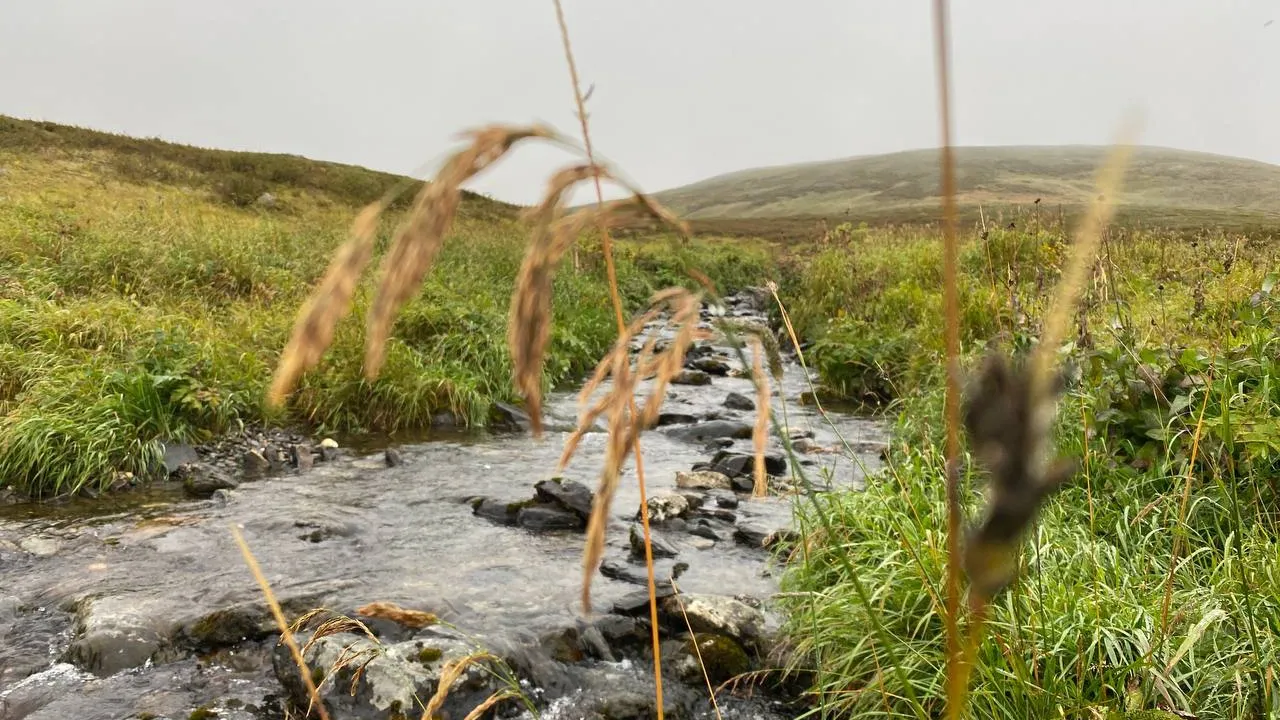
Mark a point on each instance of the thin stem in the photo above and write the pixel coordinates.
(951, 308)
(615, 297)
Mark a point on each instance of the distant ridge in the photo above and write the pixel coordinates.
(903, 186)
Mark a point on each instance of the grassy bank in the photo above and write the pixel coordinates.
(146, 290)
(1152, 580)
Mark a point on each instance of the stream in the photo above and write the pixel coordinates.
(139, 605)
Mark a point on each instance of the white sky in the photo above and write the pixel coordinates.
(683, 90)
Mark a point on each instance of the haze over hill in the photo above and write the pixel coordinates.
(1161, 183)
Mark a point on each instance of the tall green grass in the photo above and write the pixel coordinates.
(1178, 348)
(140, 308)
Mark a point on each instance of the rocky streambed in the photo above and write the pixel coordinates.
(139, 604)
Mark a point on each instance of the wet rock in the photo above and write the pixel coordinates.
(672, 418)
(229, 626)
(805, 445)
(444, 420)
(702, 480)
(638, 575)
(701, 543)
(720, 657)
(499, 511)
(254, 462)
(9, 496)
(118, 633)
(178, 454)
(727, 501)
(621, 631)
(716, 615)
(636, 604)
(509, 416)
(546, 518)
(388, 680)
(709, 365)
(699, 350)
(757, 535)
(322, 527)
(568, 494)
(735, 464)
(704, 530)
(392, 457)
(33, 692)
(720, 514)
(738, 401)
(40, 545)
(303, 459)
(744, 483)
(202, 482)
(691, 377)
(661, 548)
(711, 430)
(666, 506)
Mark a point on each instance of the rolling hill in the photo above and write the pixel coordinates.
(1163, 185)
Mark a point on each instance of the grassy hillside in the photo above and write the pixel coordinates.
(1163, 186)
(147, 288)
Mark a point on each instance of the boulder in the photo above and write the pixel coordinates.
(720, 657)
(666, 506)
(510, 416)
(568, 494)
(738, 401)
(498, 511)
(204, 481)
(702, 480)
(115, 633)
(665, 419)
(381, 682)
(716, 615)
(736, 464)
(661, 548)
(709, 365)
(691, 377)
(547, 517)
(392, 457)
(711, 430)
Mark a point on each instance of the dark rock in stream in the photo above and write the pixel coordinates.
(735, 464)
(738, 401)
(203, 482)
(545, 518)
(177, 455)
(568, 494)
(508, 416)
(691, 377)
(721, 658)
(674, 418)
(709, 365)
(711, 430)
(498, 511)
(661, 548)
(392, 457)
(255, 463)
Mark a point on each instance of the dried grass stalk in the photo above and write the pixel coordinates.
(624, 426)
(449, 675)
(329, 303)
(760, 434)
(414, 619)
(285, 635)
(489, 702)
(419, 239)
(529, 323)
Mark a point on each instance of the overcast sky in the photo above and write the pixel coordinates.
(683, 90)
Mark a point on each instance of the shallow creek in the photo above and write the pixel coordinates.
(108, 606)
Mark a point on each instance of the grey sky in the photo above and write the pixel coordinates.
(684, 90)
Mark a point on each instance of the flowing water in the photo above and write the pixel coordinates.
(349, 532)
